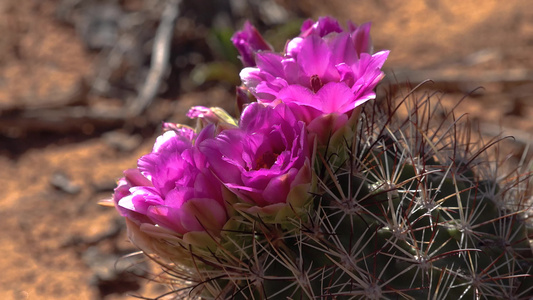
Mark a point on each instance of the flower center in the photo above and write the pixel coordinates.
(316, 83)
(266, 160)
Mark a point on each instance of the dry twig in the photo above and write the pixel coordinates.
(160, 56)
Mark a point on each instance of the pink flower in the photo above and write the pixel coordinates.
(248, 42)
(172, 188)
(263, 159)
(325, 71)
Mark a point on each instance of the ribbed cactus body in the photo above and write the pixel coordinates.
(399, 215)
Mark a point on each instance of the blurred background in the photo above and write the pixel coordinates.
(85, 85)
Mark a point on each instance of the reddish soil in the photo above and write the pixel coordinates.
(57, 243)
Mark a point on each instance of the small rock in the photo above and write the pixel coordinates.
(61, 182)
(122, 141)
(112, 273)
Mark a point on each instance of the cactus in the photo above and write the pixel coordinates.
(416, 211)
(394, 207)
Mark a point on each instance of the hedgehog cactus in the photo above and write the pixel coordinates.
(312, 195)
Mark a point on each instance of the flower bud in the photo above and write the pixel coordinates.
(248, 42)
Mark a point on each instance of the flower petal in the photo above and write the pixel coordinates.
(202, 214)
(278, 188)
(270, 62)
(361, 38)
(168, 217)
(314, 57)
(343, 50)
(335, 97)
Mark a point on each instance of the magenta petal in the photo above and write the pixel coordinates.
(267, 91)
(207, 186)
(314, 57)
(322, 27)
(127, 202)
(378, 59)
(343, 50)
(326, 124)
(369, 69)
(278, 188)
(364, 97)
(177, 196)
(256, 179)
(242, 188)
(361, 39)
(293, 73)
(167, 217)
(122, 190)
(306, 26)
(270, 63)
(135, 178)
(207, 133)
(301, 101)
(139, 201)
(252, 116)
(326, 25)
(224, 154)
(287, 115)
(171, 140)
(297, 94)
(202, 214)
(303, 112)
(247, 194)
(293, 47)
(167, 148)
(251, 77)
(335, 97)
(346, 73)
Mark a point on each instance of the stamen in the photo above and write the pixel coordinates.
(266, 160)
(316, 83)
